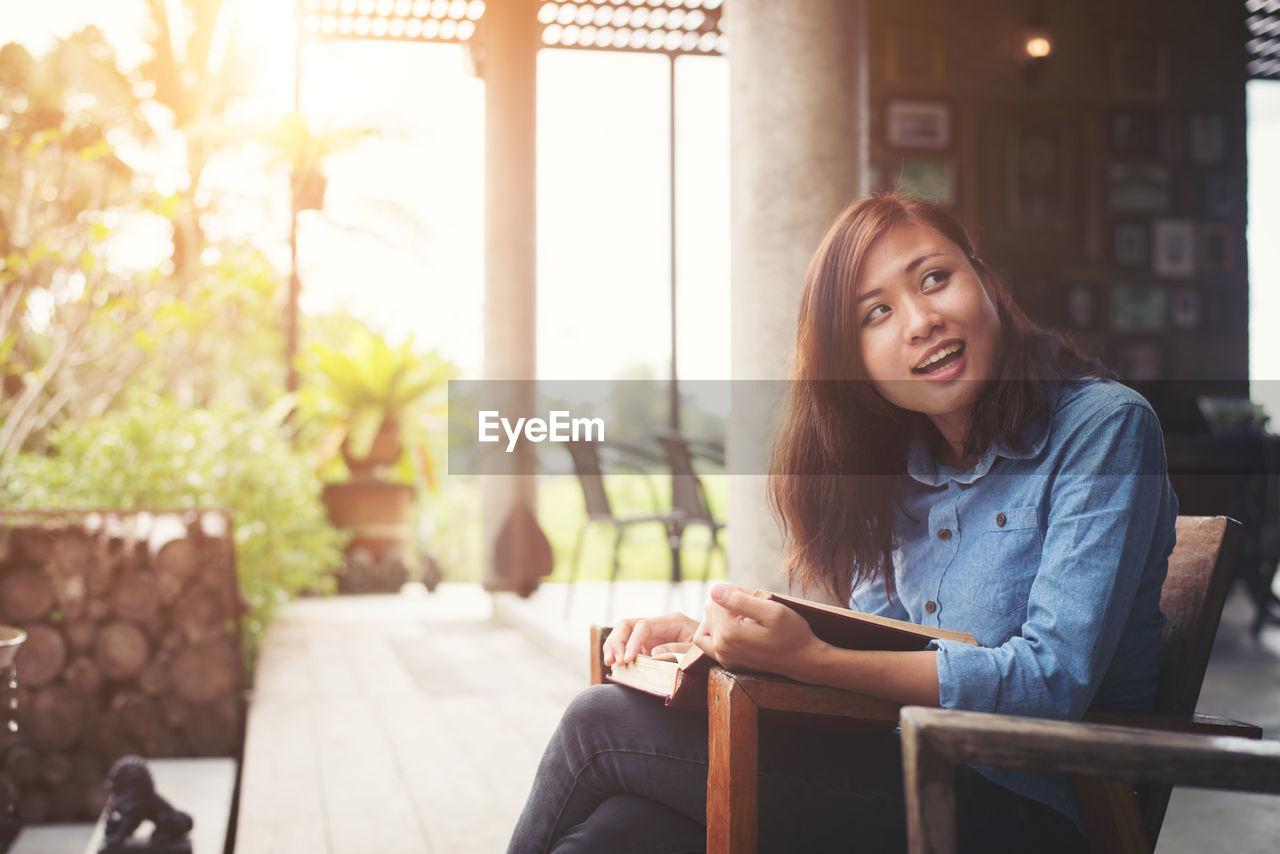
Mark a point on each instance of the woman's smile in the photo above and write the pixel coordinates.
(943, 362)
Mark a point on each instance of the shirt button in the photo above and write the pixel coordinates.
(931, 606)
(1000, 520)
(945, 533)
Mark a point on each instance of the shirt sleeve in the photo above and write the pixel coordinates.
(1107, 514)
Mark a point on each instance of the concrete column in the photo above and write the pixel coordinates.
(797, 79)
(508, 65)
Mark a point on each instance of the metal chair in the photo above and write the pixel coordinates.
(689, 504)
(587, 467)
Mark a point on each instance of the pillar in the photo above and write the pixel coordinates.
(797, 78)
(508, 65)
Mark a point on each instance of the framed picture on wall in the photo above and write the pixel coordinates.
(1215, 254)
(1130, 240)
(1206, 137)
(1135, 132)
(1139, 71)
(1138, 188)
(1040, 180)
(1171, 138)
(1139, 308)
(1082, 306)
(1142, 360)
(1184, 308)
(916, 57)
(918, 124)
(931, 178)
(1219, 197)
(1173, 248)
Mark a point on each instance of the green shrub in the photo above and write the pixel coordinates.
(154, 454)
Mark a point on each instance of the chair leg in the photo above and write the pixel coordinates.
(715, 546)
(929, 784)
(573, 567)
(1112, 821)
(675, 535)
(733, 776)
(617, 565)
(712, 548)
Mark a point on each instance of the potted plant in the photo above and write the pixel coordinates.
(375, 404)
(304, 148)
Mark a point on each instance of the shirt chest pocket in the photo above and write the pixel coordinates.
(1006, 560)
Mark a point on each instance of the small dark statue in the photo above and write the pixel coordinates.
(134, 800)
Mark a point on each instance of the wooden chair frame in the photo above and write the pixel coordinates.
(1117, 818)
(935, 741)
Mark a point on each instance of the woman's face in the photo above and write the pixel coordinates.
(928, 331)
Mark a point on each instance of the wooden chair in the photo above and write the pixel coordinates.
(935, 740)
(1200, 572)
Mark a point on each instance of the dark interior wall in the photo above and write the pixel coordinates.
(1107, 185)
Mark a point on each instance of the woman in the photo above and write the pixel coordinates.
(941, 460)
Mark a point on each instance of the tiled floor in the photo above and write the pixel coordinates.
(394, 724)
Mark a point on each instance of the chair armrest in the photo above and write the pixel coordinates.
(644, 455)
(1195, 724)
(934, 741)
(1098, 750)
(774, 693)
(779, 694)
(595, 646)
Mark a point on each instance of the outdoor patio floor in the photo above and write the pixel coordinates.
(414, 723)
(393, 724)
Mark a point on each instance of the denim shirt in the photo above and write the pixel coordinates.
(1053, 557)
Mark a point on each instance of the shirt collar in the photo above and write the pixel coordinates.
(922, 466)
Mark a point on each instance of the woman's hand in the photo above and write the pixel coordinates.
(649, 635)
(741, 630)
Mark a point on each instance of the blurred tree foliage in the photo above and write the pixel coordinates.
(152, 453)
(88, 305)
(63, 307)
(141, 362)
(197, 73)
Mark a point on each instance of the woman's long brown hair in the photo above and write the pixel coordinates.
(840, 451)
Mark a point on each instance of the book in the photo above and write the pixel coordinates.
(681, 680)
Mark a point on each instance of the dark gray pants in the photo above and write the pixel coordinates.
(622, 773)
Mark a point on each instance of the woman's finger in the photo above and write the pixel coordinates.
(741, 602)
(616, 643)
(639, 640)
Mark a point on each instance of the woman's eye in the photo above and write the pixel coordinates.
(936, 278)
(876, 312)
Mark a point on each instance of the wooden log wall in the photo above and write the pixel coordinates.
(133, 646)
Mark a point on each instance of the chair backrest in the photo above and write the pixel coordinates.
(688, 497)
(1200, 572)
(586, 465)
(1201, 568)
